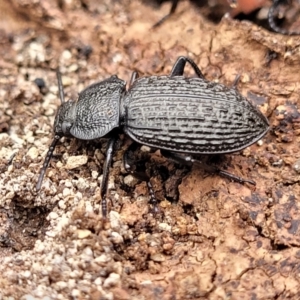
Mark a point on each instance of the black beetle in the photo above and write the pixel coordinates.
(177, 114)
(272, 17)
(244, 7)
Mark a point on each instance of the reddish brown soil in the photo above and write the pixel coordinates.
(213, 239)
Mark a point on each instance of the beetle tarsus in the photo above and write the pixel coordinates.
(234, 177)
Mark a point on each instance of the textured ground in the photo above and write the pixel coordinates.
(214, 239)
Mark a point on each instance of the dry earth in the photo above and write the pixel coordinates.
(213, 239)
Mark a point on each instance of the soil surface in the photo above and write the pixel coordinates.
(211, 238)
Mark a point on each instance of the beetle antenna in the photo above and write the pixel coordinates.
(60, 86)
(46, 161)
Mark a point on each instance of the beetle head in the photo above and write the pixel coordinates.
(65, 118)
(63, 123)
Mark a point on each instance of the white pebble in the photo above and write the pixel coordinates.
(296, 166)
(76, 161)
(61, 204)
(98, 281)
(26, 274)
(66, 192)
(260, 142)
(103, 258)
(66, 55)
(53, 215)
(82, 184)
(116, 238)
(75, 293)
(33, 152)
(165, 227)
(112, 280)
(95, 174)
(114, 218)
(130, 180)
(145, 148)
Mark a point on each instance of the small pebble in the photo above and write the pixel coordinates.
(33, 153)
(260, 143)
(115, 222)
(116, 238)
(145, 148)
(53, 215)
(296, 166)
(83, 233)
(112, 280)
(76, 161)
(130, 180)
(66, 192)
(158, 257)
(73, 68)
(61, 204)
(39, 247)
(98, 281)
(66, 55)
(103, 258)
(40, 82)
(66, 81)
(82, 184)
(165, 227)
(75, 293)
(95, 174)
(26, 274)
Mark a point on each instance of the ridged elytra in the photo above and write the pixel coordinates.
(179, 115)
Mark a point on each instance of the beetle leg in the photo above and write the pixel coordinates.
(178, 68)
(133, 78)
(46, 161)
(177, 158)
(189, 161)
(172, 11)
(130, 167)
(103, 188)
(236, 81)
(234, 177)
(60, 86)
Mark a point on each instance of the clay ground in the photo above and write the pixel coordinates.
(213, 238)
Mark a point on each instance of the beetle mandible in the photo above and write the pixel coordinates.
(177, 114)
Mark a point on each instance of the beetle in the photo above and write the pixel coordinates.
(182, 116)
(272, 16)
(242, 6)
